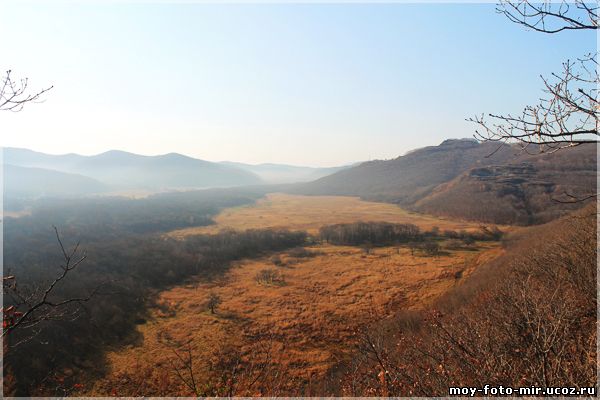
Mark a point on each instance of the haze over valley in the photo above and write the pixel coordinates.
(459, 178)
(299, 200)
(119, 170)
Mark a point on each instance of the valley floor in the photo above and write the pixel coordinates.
(309, 213)
(310, 315)
(314, 313)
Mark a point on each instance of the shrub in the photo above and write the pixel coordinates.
(269, 277)
(276, 260)
(454, 244)
(431, 248)
(301, 252)
(468, 241)
(451, 234)
(213, 302)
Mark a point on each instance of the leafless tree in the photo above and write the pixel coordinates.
(29, 306)
(551, 16)
(566, 117)
(184, 369)
(213, 302)
(14, 94)
(269, 277)
(567, 114)
(231, 371)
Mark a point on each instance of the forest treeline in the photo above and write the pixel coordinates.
(526, 318)
(124, 266)
(101, 217)
(385, 233)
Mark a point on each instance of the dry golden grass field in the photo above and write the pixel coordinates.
(311, 315)
(309, 213)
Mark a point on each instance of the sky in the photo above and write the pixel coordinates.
(303, 84)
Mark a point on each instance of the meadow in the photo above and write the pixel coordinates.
(306, 318)
(309, 213)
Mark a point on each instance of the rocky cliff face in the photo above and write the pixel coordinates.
(465, 179)
(523, 193)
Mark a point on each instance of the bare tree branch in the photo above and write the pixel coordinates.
(566, 117)
(551, 17)
(32, 305)
(14, 96)
(567, 114)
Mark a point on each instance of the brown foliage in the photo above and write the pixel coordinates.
(528, 319)
(231, 370)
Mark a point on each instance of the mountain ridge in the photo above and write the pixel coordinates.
(120, 169)
(438, 180)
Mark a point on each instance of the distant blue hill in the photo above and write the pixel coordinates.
(282, 173)
(24, 182)
(123, 170)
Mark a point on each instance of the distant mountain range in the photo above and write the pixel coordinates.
(462, 178)
(282, 173)
(32, 174)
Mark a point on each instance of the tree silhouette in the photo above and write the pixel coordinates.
(14, 94)
(567, 114)
(213, 302)
(30, 306)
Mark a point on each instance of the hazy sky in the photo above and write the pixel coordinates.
(304, 84)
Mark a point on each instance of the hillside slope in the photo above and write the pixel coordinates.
(471, 180)
(523, 193)
(532, 307)
(37, 182)
(408, 178)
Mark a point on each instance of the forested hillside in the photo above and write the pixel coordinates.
(126, 261)
(527, 318)
(487, 181)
